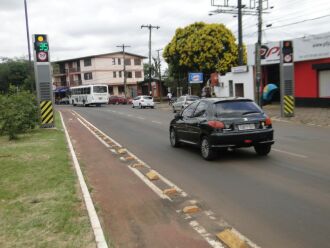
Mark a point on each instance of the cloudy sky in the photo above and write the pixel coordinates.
(85, 27)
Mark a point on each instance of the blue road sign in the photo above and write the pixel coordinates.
(195, 78)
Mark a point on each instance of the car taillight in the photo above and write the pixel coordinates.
(216, 124)
(268, 122)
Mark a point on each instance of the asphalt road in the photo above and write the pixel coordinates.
(282, 200)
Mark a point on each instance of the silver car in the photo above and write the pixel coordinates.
(182, 102)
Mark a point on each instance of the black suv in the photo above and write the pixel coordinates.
(216, 123)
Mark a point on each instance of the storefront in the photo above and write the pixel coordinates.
(311, 69)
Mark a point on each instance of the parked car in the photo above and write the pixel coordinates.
(64, 100)
(118, 100)
(216, 124)
(182, 102)
(143, 102)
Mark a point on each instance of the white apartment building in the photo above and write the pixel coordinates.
(105, 69)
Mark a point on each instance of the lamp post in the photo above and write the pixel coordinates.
(28, 39)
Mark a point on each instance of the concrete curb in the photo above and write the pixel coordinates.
(95, 222)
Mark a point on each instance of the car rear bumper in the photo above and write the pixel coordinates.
(245, 139)
(147, 104)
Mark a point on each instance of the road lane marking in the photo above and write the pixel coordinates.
(141, 118)
(202, 231)
(194, 224)
(152, 186)
(157, 122)
(290, 153)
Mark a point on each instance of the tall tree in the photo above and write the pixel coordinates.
(202, 47)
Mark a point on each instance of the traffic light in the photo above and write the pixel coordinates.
(41, 47)
(287, 51)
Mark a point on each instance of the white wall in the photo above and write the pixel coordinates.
(243, 77)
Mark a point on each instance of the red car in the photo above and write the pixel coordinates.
(119, 100)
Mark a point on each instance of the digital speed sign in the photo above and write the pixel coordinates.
(41, 47)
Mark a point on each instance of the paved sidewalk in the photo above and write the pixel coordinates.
(303, 115)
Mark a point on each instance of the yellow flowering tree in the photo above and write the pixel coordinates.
(202, 47)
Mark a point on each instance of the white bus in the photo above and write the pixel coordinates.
(86, 95)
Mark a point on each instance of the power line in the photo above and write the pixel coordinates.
(293, 23)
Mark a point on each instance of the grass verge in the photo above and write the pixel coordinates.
(40, 201)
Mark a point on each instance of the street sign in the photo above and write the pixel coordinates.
(195, 78)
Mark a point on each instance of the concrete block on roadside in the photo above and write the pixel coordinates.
(122, 151)
(129, 158)
(231, 239)
(137, 165)
(191, 209)
(171, 191)
(152, 175)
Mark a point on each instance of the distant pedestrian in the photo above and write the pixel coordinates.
(169, 96)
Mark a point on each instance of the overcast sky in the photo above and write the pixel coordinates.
(85, 27)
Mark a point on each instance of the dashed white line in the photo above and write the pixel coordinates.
(290, 153)
(141, 118)
(157, 122)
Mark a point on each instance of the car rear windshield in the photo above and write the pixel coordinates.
(236, 108)
(192, 98)
(147, 97)
(100, 89)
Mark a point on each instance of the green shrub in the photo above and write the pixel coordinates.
(18, 113)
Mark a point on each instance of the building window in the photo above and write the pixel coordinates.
(138, 74)
(88, 76)
(129, 74)
(119, 61)
(88, 62)
(114, 74)
(121, 90)
(137, 61)
(110, 90)
(113, 61)
(127, 61)
(120, 74)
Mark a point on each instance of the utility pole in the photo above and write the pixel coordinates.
(123, 46)
(239, 10)
(240, 33)
(258, 58)
(28, 40)
(160, 76)
(150, 27)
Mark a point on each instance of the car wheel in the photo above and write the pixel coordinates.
(140, 106)
(174, 111)
(262, 150)
(132, 105)
(174, 138)
(206, 151)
